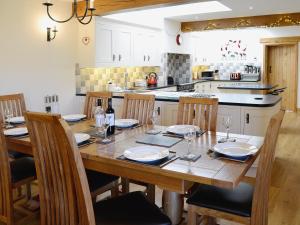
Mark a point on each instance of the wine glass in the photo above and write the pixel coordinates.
(8, 115)
(106, 125)
(227, 122)
(153, 118)
(190, 135)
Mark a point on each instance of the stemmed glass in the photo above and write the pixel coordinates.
(153, 118)
(190, 136)
(227, 122)
(106, 125)
(8, 115)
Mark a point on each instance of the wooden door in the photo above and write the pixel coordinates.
(282, 69)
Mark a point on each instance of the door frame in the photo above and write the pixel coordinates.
(280, 41)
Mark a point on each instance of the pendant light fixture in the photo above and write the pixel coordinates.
(89, 7)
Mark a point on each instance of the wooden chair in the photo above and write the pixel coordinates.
(14, 102)
(91, 102)
(200, 112)
(244, 204)
(64, 191)
(139, 107)
(12, 176)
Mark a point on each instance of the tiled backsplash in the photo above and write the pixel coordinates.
(177, 66)
(224, 68)
(96, 79)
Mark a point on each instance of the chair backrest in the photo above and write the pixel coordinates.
(200, 112)
(65, 197)
(14, 102)
(91, 102)
(6, 196)
(139, 107)
(259, 215)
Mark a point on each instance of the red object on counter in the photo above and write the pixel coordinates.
(152, 78)
(235, 76)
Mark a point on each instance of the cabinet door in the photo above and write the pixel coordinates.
(169, 113)
(104, 44)
(234, 112)
(139, 52)
(122, 47)
(152, 50)
(118, 107)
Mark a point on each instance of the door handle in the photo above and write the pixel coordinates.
(114, 57)
(120, 57)
(144, 58)
(148, 58)
(270, 69)
(158, 111)
(247, 118)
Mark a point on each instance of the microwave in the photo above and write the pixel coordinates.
(207, 74)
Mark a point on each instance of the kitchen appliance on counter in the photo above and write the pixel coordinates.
(207, 75)
(152, 79)
(235, 76)
(251, 73)
(187, 87)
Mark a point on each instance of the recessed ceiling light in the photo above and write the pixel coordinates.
(251, 7)
(155, 17)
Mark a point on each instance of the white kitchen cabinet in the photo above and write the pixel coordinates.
(113, 45)
(255, 120)
(169, 113)
(145, 50)
(234, 112)
(117, 104)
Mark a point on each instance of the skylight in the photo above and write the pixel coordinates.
(155, 17)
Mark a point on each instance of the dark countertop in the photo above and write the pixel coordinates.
(249, 100)
(248, 87)
(220, 80)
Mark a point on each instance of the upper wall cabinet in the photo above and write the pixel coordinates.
(146, 52)
(113, 45)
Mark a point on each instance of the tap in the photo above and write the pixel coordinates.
(126, 81)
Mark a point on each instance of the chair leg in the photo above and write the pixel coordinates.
(28, 191)
(211, 221)
(115, 190)
(151, 192)
(192, 216)
(125, 185)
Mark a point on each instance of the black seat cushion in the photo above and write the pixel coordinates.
(22, 168)
(129, 209)
(237, 201)
(17, 155)
(97, 180)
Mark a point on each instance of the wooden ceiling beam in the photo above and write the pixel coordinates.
(275, 20)
(104, 7)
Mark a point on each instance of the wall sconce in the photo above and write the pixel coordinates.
(54, 31)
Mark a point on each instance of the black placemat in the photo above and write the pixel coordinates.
(94, 133)
(216, 155)
(158, 140)
(161, 163)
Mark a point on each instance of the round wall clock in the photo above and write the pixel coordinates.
(178, 39)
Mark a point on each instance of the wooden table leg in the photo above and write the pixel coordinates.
(173, 206)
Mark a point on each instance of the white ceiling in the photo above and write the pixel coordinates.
(240, 8)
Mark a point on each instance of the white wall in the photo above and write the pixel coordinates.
(28, 63)
(170, 31)
(211, 42)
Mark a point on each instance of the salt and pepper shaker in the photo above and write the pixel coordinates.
(51, 104)
(55, 104)
(47, 101)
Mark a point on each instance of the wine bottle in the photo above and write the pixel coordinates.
(99, 114)
(110, 114)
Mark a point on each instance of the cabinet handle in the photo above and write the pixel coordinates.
(114, 57)
(144, 58)
(148, 58)
(158, 111)
(120, 57)
(247, 118)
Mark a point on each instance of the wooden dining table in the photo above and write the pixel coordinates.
(177, 176)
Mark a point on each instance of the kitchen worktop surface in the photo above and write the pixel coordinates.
(251, 100)
(241, 86)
